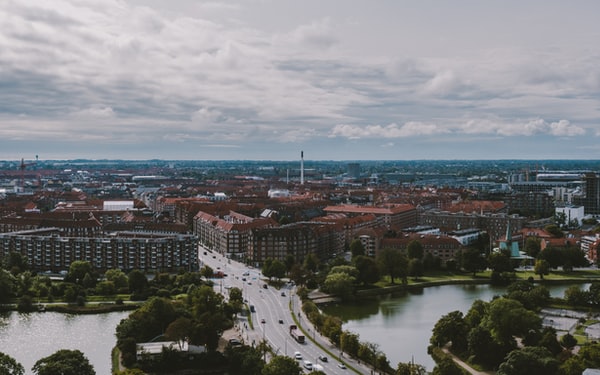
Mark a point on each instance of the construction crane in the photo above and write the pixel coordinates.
(23, 166)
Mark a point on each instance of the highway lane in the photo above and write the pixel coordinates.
(271, 306)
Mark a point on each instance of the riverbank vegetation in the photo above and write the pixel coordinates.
(507, 334)
(64, 362)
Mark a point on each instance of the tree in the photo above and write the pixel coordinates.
(368, 272)
(554, 230)
(77, 271)
(530, 360)
(450, 328)
(244, 360)
(278, 269)
(349, 343)
(410, 368)
(553, 256)
(500, 262)
(15, 263)
(568, 341)
(393, 263)
(9, 366)
(340, 284)
(447, 366)
(414, 250)
(472, 261)
(311, 262)
(207, 271)
(575, 296)
(542, 267)
(282, 365)
(357, 248)
(179, 329)
(236, 299)
(64, 362)
(484, 349)
(532, 246)
(507, 318)
(415, 268)
(118, 277)
(137, 281)
(560, 218)
(8, 286)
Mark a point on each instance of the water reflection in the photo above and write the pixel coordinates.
(29, 337)
(401, 324)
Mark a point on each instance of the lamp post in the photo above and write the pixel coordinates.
(264, 342)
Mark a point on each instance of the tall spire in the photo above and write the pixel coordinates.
(508, 232)
(301, 167)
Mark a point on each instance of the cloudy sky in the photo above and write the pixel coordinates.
(264, 79)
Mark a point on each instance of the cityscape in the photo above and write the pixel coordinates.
(160, 216)
(274, 187)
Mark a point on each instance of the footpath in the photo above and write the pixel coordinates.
(465, 366)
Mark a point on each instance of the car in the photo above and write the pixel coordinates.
(323, 358)
(283, 294)
(265, 286)
(263, 321)
(298, 355)
(243, 279)
(280, 321)
(308, 365)
(342, 366)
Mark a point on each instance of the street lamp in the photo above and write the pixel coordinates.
(264, 342)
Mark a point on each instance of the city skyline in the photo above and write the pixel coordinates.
(265, 79)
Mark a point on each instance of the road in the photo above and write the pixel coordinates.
(275, 307)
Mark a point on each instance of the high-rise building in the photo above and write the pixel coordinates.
(591, 200)
(354, 170)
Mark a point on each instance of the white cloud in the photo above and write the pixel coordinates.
(317, 34)
(238, 73)
(409, 129)
(562, 128)
(95, 112)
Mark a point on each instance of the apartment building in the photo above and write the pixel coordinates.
(326, 240)
(397, 215)
(228, 235)
(46, 250)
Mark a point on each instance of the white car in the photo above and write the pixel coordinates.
(308, 365)
(297, 355)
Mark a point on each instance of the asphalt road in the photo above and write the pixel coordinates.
(274, 307)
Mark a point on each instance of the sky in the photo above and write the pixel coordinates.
(267, 79)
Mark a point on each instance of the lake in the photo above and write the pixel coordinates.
(30, 337)
(401, 324)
